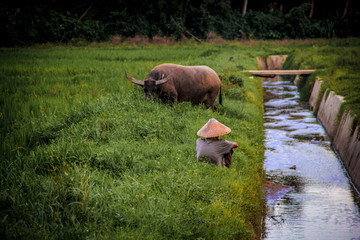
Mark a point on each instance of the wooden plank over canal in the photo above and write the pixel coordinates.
(273, 73)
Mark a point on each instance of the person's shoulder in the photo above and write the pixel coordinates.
(207, 140)
(200, 140)
(228, 142)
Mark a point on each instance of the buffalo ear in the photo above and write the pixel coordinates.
(137, 82)
(162, 81)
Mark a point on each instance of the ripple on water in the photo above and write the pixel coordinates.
(316, 200)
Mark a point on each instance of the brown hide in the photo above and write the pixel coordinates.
(197, 84)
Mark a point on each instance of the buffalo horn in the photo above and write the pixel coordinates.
(162, 81)
(137, 82)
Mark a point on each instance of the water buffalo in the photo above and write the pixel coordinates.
(177, 83)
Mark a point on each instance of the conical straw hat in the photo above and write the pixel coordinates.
(213, 128)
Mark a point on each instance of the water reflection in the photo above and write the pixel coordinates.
(320, 203)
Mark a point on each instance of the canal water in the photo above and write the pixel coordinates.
(316, 199)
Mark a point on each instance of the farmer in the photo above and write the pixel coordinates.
(212, 149)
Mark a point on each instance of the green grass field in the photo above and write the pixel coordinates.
(85, 157)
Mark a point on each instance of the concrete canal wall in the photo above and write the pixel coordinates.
(328, 112)
(345, 136)
(271, 62)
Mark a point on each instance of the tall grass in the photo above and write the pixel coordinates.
(84, 156)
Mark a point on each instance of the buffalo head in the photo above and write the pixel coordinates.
(149, 85)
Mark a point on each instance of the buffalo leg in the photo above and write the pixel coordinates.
(210, 102)
(173, 98)
(213, 107)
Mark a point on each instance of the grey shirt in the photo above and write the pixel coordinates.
(212, 150)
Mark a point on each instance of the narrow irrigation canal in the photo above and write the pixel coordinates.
(317, 201)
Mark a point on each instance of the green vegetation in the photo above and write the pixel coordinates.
(337, 64)
(84, 156)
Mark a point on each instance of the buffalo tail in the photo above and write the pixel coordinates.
(220, 97)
